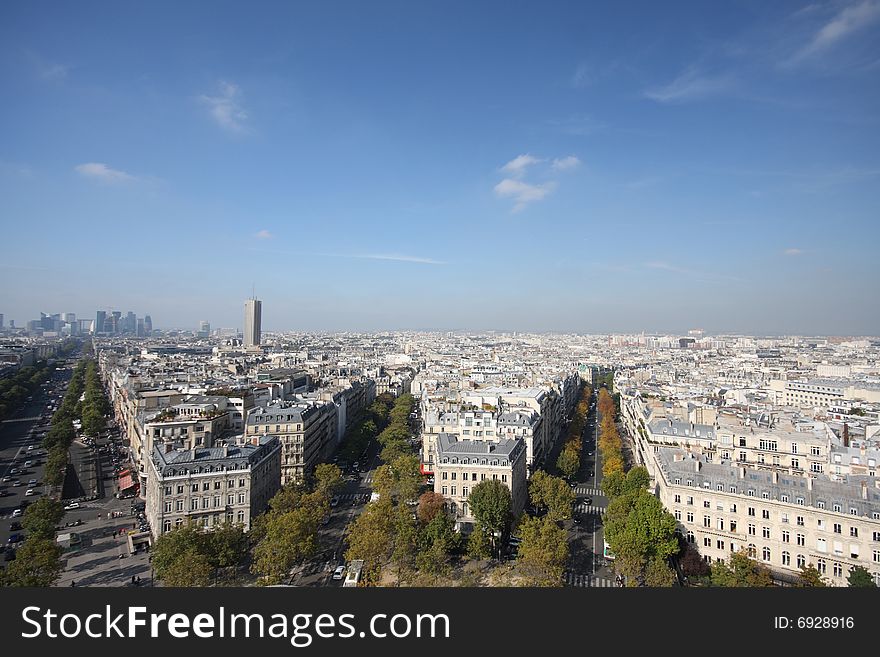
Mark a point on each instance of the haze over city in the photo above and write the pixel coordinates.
(397, 166)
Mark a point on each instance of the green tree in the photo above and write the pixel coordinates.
(479, 545)
(551, 493)
(740, 571)
(191, 569)
(37, 563)
(658, 573)
(226, 545)
(859, 576)
(41, 518)
(327, 479)
(175, 547)
(543, 551)
(490, 502)
(810, 577)
(371, 538)
(569, 461)
(287, 538)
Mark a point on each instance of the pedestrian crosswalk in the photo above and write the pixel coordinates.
(588, 509)
(583, 490)
(586, 579)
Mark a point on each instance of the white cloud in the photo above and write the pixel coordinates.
(54, 71)
(688, 86)
(568, 162)
(100, 171)
(583, 75)
(793, 252)
(518, 165)
(846, 22)
(264, 235)
(523, 193)
(226, 108)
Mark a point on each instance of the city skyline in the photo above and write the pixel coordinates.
(583, 169)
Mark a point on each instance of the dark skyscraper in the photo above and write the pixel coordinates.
(100, 320)
(148, 326)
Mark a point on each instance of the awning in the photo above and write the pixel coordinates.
(126, 482)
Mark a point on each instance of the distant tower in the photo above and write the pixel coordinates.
(253, 310)
(148, 326)
(204, 328)
(100, 318)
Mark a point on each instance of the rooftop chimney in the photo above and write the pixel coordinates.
(809, 483)
(864, 490)
(697, 465)
(775, 477)
(742, 472)
(845, 434)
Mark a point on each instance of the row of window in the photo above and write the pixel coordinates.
(473, 476)
(837, 507)
(194, 504)
(206, 485)
(206, 521)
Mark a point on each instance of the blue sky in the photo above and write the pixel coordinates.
(493, 165)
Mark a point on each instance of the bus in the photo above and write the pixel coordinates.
(353, 576)
(606, 551)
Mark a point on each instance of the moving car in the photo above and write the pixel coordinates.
(16, 513)
(339, 573)
(72, 506)
(30, 491)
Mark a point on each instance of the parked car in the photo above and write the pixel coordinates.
(72, 506)
(339, 573)
(14, 526)
(17, 513)
(17, 482)
(15, 538)
(334, 501)
(30, 491)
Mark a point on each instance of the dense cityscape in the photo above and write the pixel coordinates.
(134, 455)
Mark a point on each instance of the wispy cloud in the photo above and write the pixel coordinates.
(846, 22)
(393, 257)
(583, 75)
(568, 162)
(793, 252)
(518, 165)
(226, 108)
(101, 172)
(264, 235)
(691, 85)
(523, 193)
(701, 276)
(54, 71)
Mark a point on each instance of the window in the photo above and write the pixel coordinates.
(821, 566)
(444, 490)
(452, 490)
(801, 561)
(800, 521)
(786, 536)
(733, 525)
(179, 490)
(751, 493)
(838, 570)
(800, 501)
(733, 508)
(765, 532)
(752, 511)
(179, 505)
(166, 526)
(464, 491)
(707, 542)
(241, 483)
(838, 528)
(765, 514)
(802, 540)
(707, 521)
(719, 487)
(168, 490)
(751, 529)
(720, 524)
(241, 498)
(690, 500)
(230, 500)
(786, 559)
(241, 516)
(814, 450)
(677, 514)
(853, 511)
(167, 507)
(707, 504)
(783, 498)
(194, 505)
(504, 478)
(821, 545)
(783, 517)
(690, 516)
(194, 488)
(876, 556)
(794, 448)
(765, 554)
(752, 551)
(678, 499)
(719, 545)
(690, 537)
(206, 485)
(876, 537)
(796, 464)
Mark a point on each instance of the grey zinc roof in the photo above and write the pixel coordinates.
(450, 445)
(847, 492)
(186, 461)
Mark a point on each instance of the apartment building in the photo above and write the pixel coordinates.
(304, 428)
(462, 464)
(783, 521)
(210, 486)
